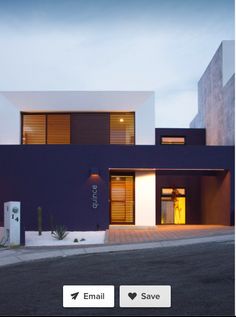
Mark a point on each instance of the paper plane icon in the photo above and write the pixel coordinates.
(74, 296)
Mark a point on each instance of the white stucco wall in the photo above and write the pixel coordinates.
(145, 198)
(9, 122)
(145, 123)
(140, 102)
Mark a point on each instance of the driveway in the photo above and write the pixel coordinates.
(132, 234)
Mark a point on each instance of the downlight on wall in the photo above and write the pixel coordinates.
(94, 172)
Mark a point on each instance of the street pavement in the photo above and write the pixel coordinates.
(201, 276)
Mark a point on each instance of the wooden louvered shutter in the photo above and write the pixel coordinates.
(34, 129)
(122, 199)
(58, 129)
(122, 128)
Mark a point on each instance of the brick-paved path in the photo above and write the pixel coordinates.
(164, 232)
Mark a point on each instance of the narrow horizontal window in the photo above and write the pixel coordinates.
(172, 140)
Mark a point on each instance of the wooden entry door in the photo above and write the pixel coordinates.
(122, 199)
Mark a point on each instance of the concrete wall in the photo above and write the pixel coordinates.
(216, 98)
(9, 122)
(229, 111)
(228, 61)
(145, 198)
(215, 202)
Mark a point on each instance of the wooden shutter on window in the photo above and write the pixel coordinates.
(34, 127)
(122, 199)
(122, 128)
(58, 129)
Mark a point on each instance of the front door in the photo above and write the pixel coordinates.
(122, 199)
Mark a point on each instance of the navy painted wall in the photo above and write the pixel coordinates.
(192, 136)
(57, 177)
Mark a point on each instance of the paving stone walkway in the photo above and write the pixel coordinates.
(117, 235)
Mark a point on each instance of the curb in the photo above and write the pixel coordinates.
(25, 255)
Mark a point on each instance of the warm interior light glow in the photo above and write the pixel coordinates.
(121, 120)
(179, 211)
(172, 140)
(172, 207)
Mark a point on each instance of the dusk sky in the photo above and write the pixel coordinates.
(160, 45)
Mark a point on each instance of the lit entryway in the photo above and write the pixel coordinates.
(122, 199)
(173, 206)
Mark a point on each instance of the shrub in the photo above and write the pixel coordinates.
(60, 233)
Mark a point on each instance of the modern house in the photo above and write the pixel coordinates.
(95, 159)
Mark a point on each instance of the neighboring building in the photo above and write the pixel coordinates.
(216, 97)
(95, 159)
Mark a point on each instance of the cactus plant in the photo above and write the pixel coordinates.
(52, 223)
(40, 220)
(60, 233)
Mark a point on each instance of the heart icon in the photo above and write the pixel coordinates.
(132, 295)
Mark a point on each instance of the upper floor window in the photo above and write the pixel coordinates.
(172, 140)
(78, 128)
(122, 128)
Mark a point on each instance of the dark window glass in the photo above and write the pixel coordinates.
(90, 128)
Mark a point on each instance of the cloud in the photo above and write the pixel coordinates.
(158, 46)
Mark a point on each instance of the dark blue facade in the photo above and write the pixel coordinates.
(57, 177)
(192, 136)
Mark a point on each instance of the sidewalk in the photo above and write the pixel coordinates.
(24, 254)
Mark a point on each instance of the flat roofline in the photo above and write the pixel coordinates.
(187, 129)
(76, 91)
(73, 100)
